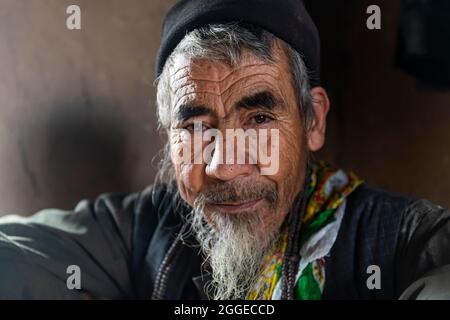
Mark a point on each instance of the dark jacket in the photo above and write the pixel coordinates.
(128, 247)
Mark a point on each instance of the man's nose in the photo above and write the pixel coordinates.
(226, 170)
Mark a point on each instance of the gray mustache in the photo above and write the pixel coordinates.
(241, 191)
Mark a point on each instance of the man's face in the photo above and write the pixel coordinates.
(256, 95)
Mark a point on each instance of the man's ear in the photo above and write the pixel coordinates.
(321, 104)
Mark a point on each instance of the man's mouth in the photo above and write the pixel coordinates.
(236, 207)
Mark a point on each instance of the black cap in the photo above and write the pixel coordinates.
(286, 19)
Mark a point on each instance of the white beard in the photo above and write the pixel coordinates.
(234, 249)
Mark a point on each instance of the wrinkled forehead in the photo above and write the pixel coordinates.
(211, 69)
(193, 78)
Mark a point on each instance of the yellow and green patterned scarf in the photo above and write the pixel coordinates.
(326, 197)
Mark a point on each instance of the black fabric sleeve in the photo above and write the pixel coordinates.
(35, 252)
(423, 252)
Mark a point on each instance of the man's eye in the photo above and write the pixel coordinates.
(261, 119)
(195, 127)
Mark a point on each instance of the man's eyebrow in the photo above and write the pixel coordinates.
(187, 111)
(263, 99)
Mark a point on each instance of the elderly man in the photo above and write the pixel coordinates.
(275, 225)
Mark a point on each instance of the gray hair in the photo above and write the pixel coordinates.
(226, 42)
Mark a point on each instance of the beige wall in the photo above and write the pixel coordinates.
(76, 107)
(77, 111)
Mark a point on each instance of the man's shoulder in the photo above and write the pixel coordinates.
(97, 236)
(386, 214)
(394, 232)
(367, 198)
(373, 213)
(410, 214)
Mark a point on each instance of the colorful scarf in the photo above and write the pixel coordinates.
(326, 198)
